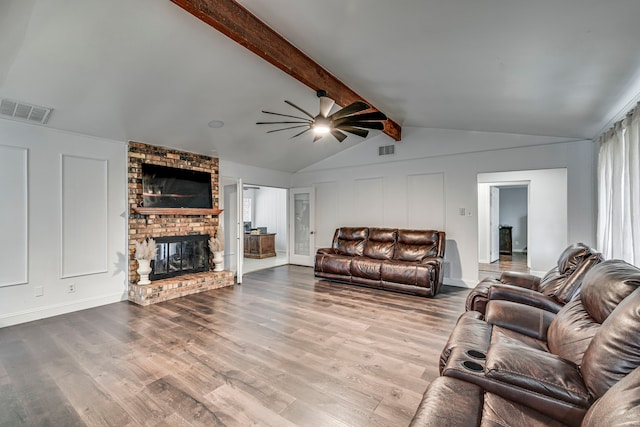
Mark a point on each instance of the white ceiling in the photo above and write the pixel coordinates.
(146, 70)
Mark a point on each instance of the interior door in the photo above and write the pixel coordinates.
(494, 224)
(302, 226)
(233, 227)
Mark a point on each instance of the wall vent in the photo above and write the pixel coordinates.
(23, 111)
(385, 150)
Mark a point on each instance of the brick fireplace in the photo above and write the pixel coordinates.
(162, 223)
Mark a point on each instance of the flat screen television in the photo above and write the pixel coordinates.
(166, 187)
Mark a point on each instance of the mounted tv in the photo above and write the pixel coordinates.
(166, 187)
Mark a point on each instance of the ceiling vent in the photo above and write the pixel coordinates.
(385, 150)
(25, 112)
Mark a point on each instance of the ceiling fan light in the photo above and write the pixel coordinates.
(321, 126)
(320, 129)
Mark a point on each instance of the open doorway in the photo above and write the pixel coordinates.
(508, 229)
(545, 226)
(264, 219)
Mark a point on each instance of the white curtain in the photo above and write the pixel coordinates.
(619, 190)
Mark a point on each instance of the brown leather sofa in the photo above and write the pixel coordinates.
(455, 403)
(388, 258)
(522, 365)
(554, 290)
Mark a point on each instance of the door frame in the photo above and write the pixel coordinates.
(294, 258)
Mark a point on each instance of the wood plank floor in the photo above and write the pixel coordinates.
(282, 349)
(514, 262)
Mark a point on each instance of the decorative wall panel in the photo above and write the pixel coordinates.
(425, 201)
(369, 197)
(14, 215)
(83, 204)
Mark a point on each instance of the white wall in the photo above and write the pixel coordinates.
(271, 212)
(254, 175)
(358, 187)
(75, 210)
(513, 212)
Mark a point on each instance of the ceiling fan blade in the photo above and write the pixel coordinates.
(359, 124)
(366, 117)
(338, 135)
(360, 132)
(349, 110)
(298, 134)
(326, 104)
(285, 115)
(284, 123)
(317, 137)
(290, 127)
(298, 108)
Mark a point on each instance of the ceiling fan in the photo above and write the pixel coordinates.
(344, 120)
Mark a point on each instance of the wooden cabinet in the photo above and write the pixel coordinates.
(259, 245)
(505, 239)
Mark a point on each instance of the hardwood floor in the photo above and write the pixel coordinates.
(281, 349)
(514, 262)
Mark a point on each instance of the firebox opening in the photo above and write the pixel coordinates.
(178, 255)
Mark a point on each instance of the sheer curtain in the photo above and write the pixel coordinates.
(619, 190)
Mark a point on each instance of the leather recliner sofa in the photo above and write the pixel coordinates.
(455, 403)
(559, 286)
(388, 258)
(540, 365)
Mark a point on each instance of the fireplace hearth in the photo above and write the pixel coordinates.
(180, 255)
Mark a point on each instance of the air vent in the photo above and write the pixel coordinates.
(386, 150)
(25, 112)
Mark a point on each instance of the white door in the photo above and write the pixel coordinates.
(494, 224)
(233, 227)
(301, 236)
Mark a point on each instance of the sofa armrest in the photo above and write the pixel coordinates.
(523, 296)
(538, 372)
(326, 251)
(531, 321)
(534, 378)
(437, 261)
(522, 280)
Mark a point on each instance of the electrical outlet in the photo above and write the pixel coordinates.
(462, 211)
(72, 288)
(39, 291)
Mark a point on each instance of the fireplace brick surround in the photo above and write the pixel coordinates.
(159, 225)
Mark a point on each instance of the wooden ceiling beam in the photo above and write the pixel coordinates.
(237, 23)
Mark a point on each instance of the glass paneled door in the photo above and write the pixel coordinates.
(233, 228)
(302, 238)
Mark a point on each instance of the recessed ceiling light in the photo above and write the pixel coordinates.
(215, 124)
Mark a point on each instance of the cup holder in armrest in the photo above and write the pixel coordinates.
(472, 366)
(476, 354)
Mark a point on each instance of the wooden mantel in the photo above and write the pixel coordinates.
(176, 211)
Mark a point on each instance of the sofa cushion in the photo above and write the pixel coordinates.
(381, 243)
(603, 288)
(615, 350)
(366, 268)
(408, 273)
(618, 407)
(334, 264)
(350, 240)
(415, 245)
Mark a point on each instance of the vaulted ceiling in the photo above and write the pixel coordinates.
(147, 70)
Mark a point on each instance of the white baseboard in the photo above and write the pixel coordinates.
(58, 309)
(459, 283)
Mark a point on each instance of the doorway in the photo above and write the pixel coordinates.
(265, 234)
(508, 223)
(540, 233)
